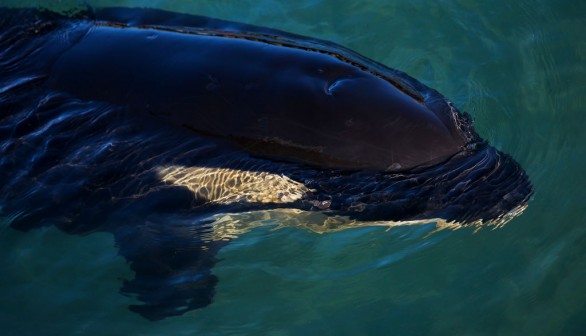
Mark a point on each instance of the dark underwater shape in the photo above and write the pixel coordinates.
(97, 106)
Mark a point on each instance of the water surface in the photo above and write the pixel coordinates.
(518, 68)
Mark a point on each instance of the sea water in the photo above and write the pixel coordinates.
(518, 67)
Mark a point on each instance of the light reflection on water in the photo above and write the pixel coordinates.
(518, 68)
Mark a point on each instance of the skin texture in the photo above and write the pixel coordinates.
(278, 101)
(174, 133)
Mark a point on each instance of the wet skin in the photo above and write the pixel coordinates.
(94, 106)
(311, 106)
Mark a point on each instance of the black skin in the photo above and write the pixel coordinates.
(310, 106)
(92, 103)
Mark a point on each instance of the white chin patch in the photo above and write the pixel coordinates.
(232, 225)
(228, 226)
(224, 185)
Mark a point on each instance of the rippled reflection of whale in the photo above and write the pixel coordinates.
(170, 130)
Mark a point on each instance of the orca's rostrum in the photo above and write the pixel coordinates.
(161, 128)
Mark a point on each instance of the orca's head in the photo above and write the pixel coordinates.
(479, 185)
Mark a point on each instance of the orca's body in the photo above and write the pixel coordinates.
(127, 120)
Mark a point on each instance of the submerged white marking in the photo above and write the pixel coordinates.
(232, 225)
(225, 185)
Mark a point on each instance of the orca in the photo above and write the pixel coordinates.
(177, 133)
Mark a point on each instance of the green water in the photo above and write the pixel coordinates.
(519, 67)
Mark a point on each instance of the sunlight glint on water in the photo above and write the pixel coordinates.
(517, 67)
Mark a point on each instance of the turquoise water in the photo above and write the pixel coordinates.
(517, 67)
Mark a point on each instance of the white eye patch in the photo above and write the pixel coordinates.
(225, 185)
